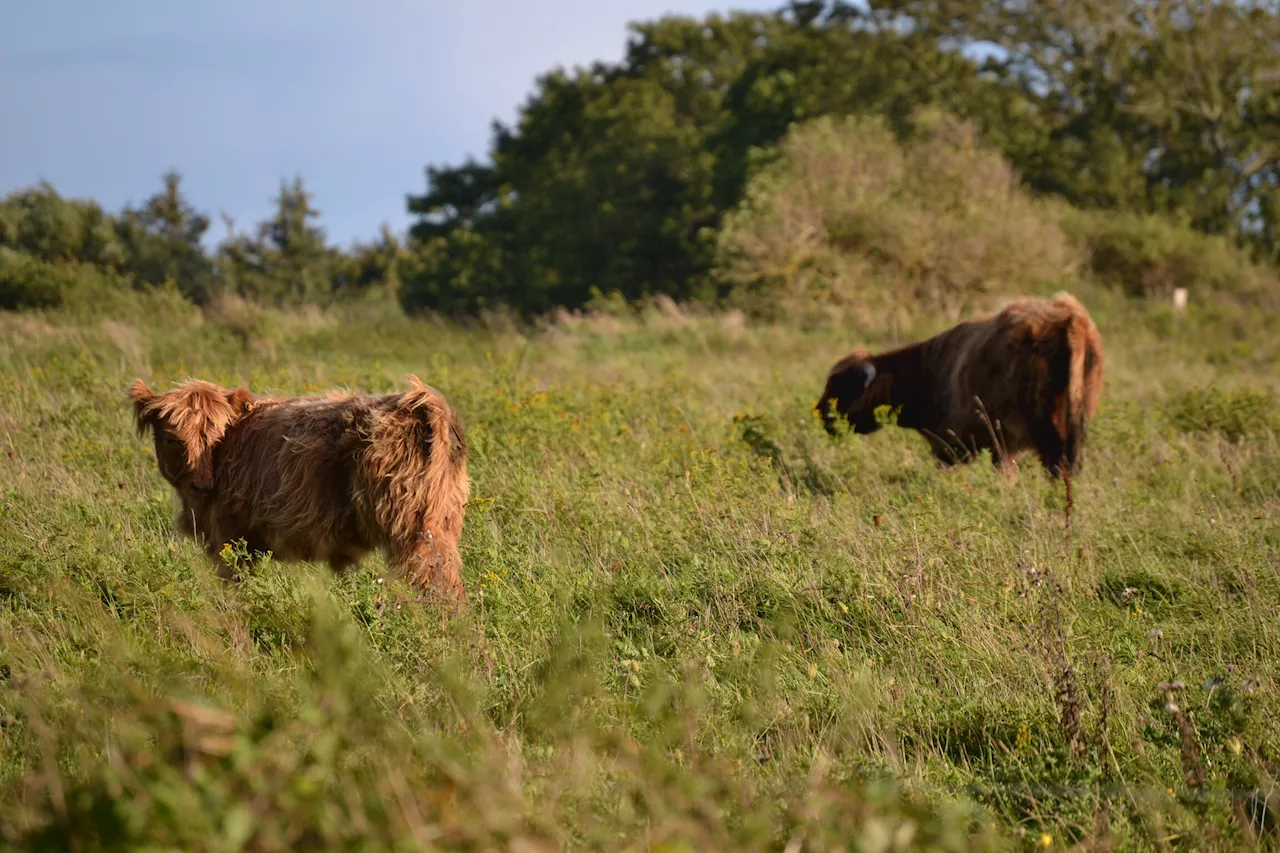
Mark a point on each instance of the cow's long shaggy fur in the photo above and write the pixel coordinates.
(317, 478)
(1027, 376)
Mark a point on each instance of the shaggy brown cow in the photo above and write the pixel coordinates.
(316, 478)
(1027, 376)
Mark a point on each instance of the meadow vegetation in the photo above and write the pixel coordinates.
(697, 622)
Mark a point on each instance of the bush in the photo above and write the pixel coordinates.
(38, 222)
(845, 205)
(1146, 255)
(82, 292)
(1234, 414)
(27, 282)
(451, 275)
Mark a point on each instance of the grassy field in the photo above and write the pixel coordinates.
(697, 623)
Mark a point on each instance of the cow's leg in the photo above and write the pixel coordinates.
(343, 559)
(219, 543)
(431, 563)
(998, 458)
(1072, 444)
(212, 543)
(223, 566)
(947, 453)
(1005, 461)
(1049, 446)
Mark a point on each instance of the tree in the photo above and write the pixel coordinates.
(1155, 105)
(823, 62)
(43, 224)
(287, 261)
(163, 242)
(370, 267)
(615, 177)
(297, 254)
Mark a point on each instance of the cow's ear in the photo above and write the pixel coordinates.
(143, 408)
(855, 380)
(241, 401)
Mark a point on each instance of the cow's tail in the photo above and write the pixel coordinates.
(445, 476)
(1084, 359)
(414, 485)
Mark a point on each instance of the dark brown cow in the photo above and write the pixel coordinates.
(316, 478)
(1027, 376)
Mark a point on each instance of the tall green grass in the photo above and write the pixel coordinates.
(697, 623)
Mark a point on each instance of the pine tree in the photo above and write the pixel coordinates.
(163, 240)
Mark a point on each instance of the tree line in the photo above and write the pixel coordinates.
(616, 178)
(48, 243)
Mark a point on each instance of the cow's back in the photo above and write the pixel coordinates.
(964, 369)
(285, 472)
(985, 374)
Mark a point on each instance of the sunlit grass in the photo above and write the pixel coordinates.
(684, 633)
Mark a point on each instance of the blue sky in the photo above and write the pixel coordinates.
(100, 98)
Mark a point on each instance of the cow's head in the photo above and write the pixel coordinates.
(854, 391)
(188, 422)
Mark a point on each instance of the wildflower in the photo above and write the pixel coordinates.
(1046, 840)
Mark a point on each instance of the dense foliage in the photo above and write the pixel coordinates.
(1161, 106)
(54, 249)
(847, 217)
(616, 178)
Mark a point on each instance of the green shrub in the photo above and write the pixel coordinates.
(83, 292)
(1234, 414)
(37, 221)
(1147, 255)
(450, 275)
(847, 214)
(26, 282)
